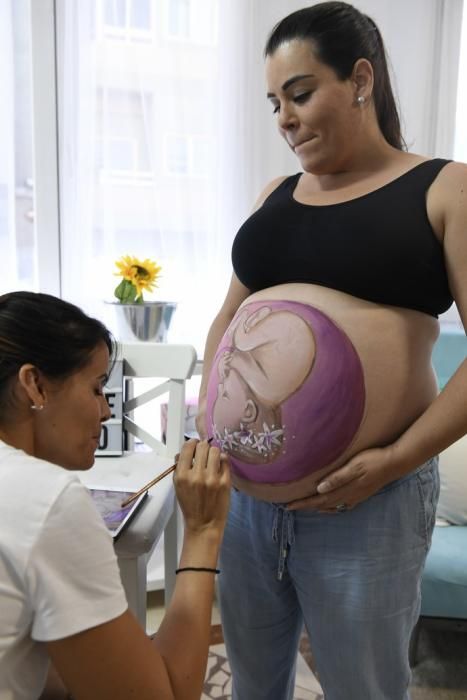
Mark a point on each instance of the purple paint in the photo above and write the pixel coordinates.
(286, 350)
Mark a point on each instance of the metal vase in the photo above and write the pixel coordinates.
(147, 321)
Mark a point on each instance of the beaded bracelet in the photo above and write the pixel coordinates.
(198, 568)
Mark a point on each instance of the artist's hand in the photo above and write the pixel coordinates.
(202, 485)
(363, 476)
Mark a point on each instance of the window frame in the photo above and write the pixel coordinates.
(45, 145)
(135, 175)
(190, 144)
(190, 37)
(127, 33)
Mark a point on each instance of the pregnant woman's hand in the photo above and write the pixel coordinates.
(363, 476)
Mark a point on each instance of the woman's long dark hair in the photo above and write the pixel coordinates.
(340, 35)
(49, 333)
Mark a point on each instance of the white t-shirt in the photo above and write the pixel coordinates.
(58, 570)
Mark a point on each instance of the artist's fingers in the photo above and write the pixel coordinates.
(213, 464)
(201, 455)
(185, 459)
(218, 461)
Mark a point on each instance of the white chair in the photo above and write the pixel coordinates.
(169, 366)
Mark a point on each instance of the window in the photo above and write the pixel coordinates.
(129, 20)
(179, 18)
(176, 154)
(115, 13)
(17, 229)
(186, 154)
(185, 21)
(123, 136)
(140, 134)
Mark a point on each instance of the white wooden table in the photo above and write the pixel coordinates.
(155, 516)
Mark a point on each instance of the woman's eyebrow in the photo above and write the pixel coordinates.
(291, 81)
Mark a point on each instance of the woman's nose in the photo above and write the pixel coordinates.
(287, 118)
(105, 410)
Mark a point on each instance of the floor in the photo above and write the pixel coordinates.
(441, 672)
(218, 679)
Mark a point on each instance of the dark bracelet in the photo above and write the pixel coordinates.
(198, 568)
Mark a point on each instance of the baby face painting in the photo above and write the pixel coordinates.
(255, 379)
(281, 371)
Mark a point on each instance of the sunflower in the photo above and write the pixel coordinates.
(138, 276)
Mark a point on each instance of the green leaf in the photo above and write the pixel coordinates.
(125, 292)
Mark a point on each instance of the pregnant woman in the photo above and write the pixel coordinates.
(318, 378)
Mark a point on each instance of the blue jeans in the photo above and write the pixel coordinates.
(352, 578)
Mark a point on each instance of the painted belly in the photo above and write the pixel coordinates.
(286, 393)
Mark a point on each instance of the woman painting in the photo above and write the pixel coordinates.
(61, 598)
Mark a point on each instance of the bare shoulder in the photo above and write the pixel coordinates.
(447, 198)
(453, 191)
(451, 181)
(270, 187)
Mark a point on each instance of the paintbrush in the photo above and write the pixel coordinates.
(168, 471)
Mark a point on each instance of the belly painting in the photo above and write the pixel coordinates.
(286, 393)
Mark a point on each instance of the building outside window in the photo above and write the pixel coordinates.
(129, 20)
(191, 20)
(178, 19)
(123, 137)
(186, 154)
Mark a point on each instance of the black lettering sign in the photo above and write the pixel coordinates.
(111, 401)
(104, 438)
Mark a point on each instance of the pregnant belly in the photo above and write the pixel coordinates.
(286, 394)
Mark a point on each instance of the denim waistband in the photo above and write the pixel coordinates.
(429, 464)
(283, 520)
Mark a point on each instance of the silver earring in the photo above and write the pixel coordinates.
(37, 408)
(361, 99)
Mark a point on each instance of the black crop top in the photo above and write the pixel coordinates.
(379, 247)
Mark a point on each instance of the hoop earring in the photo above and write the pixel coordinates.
(361, 99)
(37, 408)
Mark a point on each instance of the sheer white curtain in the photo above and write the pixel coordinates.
(167, 137)
(149, 159)
(7, 156)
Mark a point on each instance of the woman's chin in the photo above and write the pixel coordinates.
(84, 464)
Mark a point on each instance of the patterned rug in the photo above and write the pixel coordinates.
(218, 685)
(441, 673)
